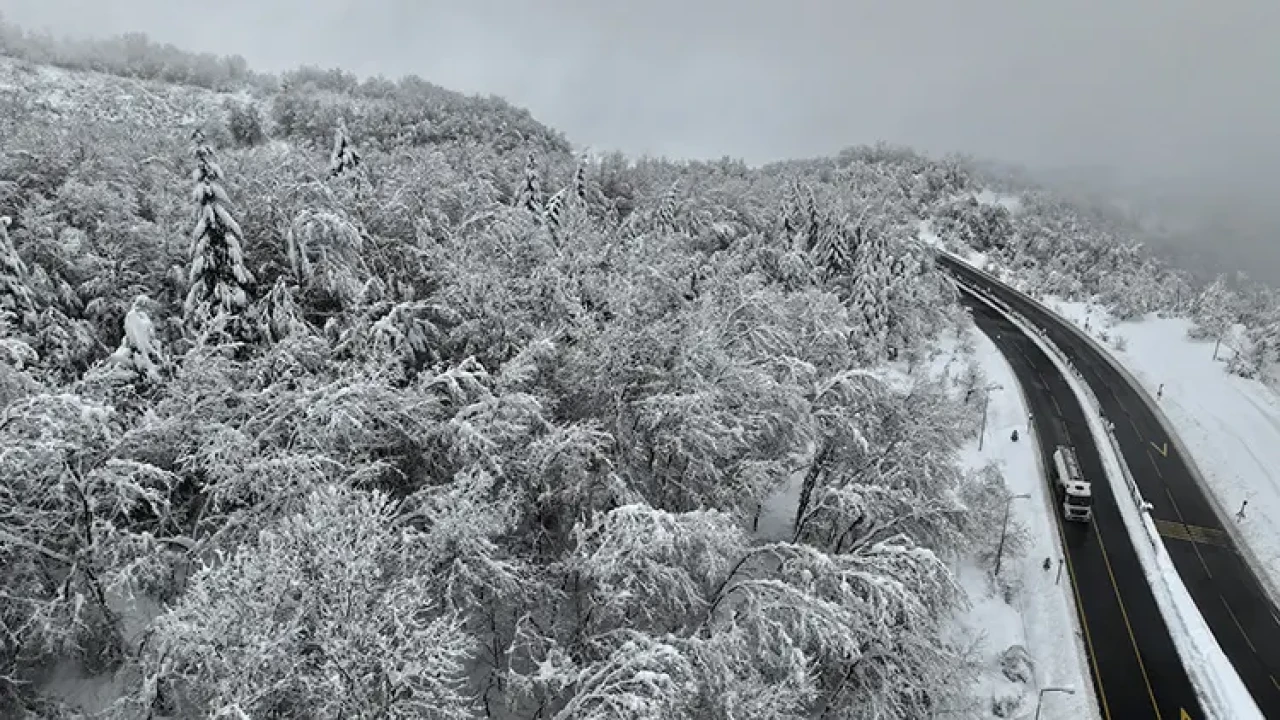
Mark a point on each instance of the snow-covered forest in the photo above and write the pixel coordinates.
(335, 398)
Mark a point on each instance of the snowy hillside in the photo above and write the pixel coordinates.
(369, 398)
(41, 91)
(372, 399)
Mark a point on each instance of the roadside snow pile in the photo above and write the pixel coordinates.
(1230, 425)
(1028, 610)
(1220, 690)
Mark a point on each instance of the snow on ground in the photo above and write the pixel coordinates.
(1221, 692)
(1040, 615)
(1012, 203)
(1230, 425)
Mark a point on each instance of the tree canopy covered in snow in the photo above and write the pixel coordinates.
(497, 424)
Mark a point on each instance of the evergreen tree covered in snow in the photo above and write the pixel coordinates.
(580, 182)
(218, 276)
(344, 157)
(139, 352)
(15, 297)
(668, 206)
(869, 294)
(553, 214)
(530, 195)
(834, 250)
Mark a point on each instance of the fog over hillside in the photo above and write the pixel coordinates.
(1174, 100)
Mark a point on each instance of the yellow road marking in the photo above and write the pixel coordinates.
(1239, 627)
(1162, 449)
(1192, 533)
(1124, 615)
(1182, 522)
(1184, 715)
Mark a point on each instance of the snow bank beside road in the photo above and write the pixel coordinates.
(1229, 425)
(1042, 616)
(1221, 692)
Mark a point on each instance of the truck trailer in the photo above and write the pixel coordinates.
(1077, 493)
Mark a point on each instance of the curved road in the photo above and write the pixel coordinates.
(1136, 670)
(1241, 616)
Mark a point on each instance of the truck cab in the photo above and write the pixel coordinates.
(1077, 493)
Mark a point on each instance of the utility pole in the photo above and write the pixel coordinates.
(1004, 527)
(986, 396)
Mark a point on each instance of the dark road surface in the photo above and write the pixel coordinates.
(1223, 586)
(1136, 669)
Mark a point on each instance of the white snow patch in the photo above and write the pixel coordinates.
(927, 235)
(1012, 203)
(93, 694)
(778, 512)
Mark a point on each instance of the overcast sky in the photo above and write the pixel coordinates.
(1183, 92)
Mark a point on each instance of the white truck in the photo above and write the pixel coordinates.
(1077, 493)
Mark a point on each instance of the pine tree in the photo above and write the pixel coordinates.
(668, 206)
(832, 250)
(580, 182)
(344, 156)
(15, 296)
(869, 297)
(813, 225)
(553, 214)
(139, 352)
(530, 197)
(218, 275)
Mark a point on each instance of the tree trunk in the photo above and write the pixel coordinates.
(811, 481)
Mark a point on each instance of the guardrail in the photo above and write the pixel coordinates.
(1222, 693)
(1134, 493)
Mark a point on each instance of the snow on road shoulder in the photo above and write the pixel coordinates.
(1221, 692)
(1229, 425)
(1040, 614)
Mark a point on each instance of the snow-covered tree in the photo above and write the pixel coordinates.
(324, 614)
(139, 352)
(219, 279)
(553, 213)
(1214, 313)
(668, 206)
(1256, 352)
(324, 251)
(530, 195)
(343, 157)
(278, 313)
(869, 294)
(580, 182)
(15, 296)
(833, 250)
